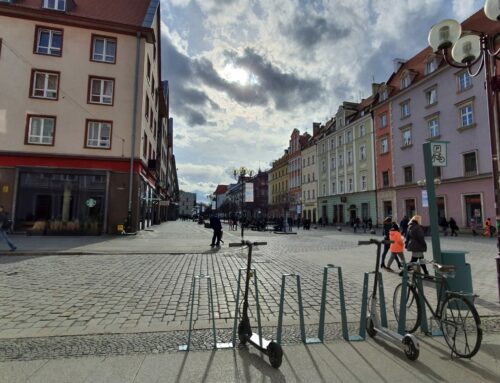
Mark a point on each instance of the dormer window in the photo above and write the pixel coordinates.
(405, 82)
(58, 5)
(431, 64)
(384, 95)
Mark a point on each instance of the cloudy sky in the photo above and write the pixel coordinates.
(244, 73)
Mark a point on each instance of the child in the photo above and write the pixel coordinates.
(396, 247)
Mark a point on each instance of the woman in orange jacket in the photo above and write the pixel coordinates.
(396, 247)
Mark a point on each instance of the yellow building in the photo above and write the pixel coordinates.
(278, 187)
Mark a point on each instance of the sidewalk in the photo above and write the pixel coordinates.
(370, 361)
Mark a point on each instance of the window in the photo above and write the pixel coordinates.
(361, 130)
(350, 184)
(349, 157)
(58, 5)
(313, 194)
(431, 96)
(334, 164)
(304, 163)
(405, 82)
(341, 160)
(334, 188)
(405, 109)
(324, 189)
(146, 113)
(383, 120)
(385, 179)
(384, 145)
(464, 81)
(304, 195)
(332, 143)
(323, 166)
(98, 134)
(362, 152)
(470, 164)
(101, 91)
(41, 130)
(339, 141)
(44, 84)
(349, 136)
(148, 74)
(408, 171)
(384, 95)
(103, 49)
(48, 41)
(363, 183)
(433, 125)
(406, 135)
(466, 115)
(341, 186)
(430, 66)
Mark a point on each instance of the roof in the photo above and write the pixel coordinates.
(221, 189)
(134, 13)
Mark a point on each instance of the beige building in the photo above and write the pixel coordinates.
(278, 187)
(81, 130)
(310, 178)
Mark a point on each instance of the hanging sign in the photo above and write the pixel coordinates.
(248, 192)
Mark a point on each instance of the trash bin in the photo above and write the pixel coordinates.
(463, 278)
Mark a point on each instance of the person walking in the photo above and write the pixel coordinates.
(487, 228)
(217, 228)
(415, 241)
(453, 227)
(444, 225)
(4, 226)
(404, 226)
(396, 247)
(385, 232)
(473, 227)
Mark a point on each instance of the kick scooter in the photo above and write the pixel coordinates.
(272, 349)
(408, 343)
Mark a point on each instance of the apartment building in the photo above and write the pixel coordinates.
(297, 142)
(81, 115)
(278, 187)
(310, 176)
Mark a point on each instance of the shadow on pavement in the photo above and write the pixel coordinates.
(260, 363)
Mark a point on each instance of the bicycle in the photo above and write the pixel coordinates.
(455, 313)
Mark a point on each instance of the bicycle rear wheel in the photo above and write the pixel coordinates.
(413, 310)
(461, 326)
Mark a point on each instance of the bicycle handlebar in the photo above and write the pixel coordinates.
(375, 241)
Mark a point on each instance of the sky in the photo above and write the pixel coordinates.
(244, 73)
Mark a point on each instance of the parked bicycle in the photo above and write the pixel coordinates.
(454, 312)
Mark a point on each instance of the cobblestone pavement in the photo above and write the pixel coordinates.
(58, 295)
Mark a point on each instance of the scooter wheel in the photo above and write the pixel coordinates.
(244, 332)
(275, 353)
(370, 328)
(411, 350)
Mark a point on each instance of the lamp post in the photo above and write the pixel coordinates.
(239, 174)
(467, 50)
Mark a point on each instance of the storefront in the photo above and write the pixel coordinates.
(61, 201)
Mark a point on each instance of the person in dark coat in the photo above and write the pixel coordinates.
(444, 225)
(453, 227)
(217, 228)
(404, 226)
(386, 233)
(415, 241)
(5, 224)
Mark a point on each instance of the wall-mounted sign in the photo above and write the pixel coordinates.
(5, 188)
(439, 153)
(248, 192)
(90, 202)
(425, 199)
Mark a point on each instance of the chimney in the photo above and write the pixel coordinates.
(316, 126)
(398, 63)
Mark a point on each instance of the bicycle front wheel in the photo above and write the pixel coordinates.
(461, 326)
(413, 311)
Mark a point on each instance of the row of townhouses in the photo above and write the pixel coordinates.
(367, 160)
(86, 140)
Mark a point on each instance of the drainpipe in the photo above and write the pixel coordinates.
(134, 130)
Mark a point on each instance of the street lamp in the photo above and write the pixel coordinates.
(467, 50)
(239, 174)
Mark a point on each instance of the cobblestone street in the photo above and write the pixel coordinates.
(145, 290)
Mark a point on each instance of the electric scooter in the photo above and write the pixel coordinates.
(408, 343)
(245, 334)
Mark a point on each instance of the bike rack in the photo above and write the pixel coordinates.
(301, 310)
(216, 345)
(424, 327)
(237, 308)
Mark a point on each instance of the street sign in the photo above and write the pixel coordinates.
(248, 192)
(439, 153)
(425, 199)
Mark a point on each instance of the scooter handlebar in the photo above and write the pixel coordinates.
(376, 242)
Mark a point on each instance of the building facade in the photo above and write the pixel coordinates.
(278, 187)
(79, 92)
(187, 203)
(310, 177)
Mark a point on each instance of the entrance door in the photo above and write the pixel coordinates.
(324, 216)
(473, 209)
(387, 208)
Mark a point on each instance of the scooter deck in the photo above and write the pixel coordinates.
(256, 340)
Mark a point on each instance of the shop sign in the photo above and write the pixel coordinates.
(90, 202)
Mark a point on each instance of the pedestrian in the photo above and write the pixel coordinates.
(444, 225)
(453, 227)
(5, 224)
(357, 222)
(385, 232)
(370, 223)
(217, 228)
(415, 241)
(487, 228)
(396, 247)
(473, 227)
(404, 226)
